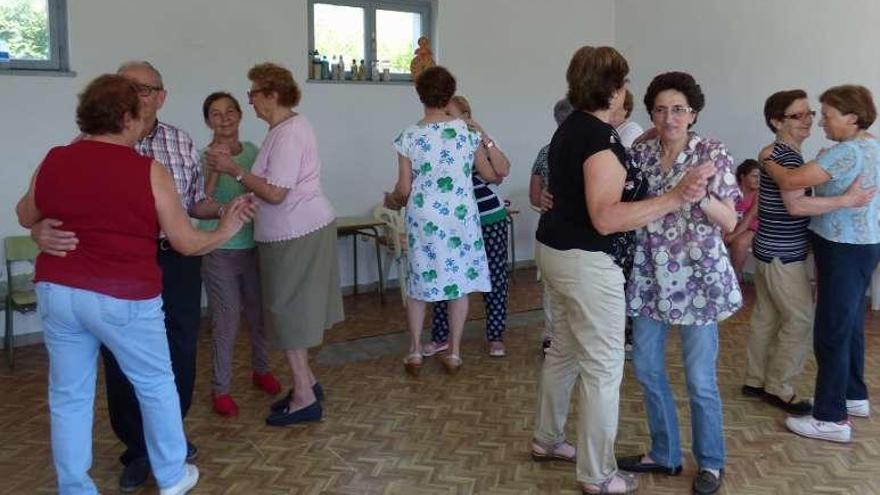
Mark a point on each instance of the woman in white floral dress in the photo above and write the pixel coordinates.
(446, 258)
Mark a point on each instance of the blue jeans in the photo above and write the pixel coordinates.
(843, 273)
(76, 322)
(699, 345)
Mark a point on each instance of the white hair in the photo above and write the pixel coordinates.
(142, 64)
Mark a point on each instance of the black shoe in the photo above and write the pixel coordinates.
(282, 403)
(800, 408)
(134, 475)
(307, 414)
(749, 391)
(706, 483)
(191, 451)
(634, 464)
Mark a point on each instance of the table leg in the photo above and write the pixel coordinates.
(379, 265)
(354, 247)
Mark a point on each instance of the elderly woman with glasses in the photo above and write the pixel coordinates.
(782, 319)
(583, 245)
(295, 231)
(682, 276)
(846, 244)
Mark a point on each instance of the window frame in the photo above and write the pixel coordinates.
(59, 59)
(421, 7)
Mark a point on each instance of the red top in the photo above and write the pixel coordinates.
(743, 206)
(102, 192)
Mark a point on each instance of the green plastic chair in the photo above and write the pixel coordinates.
(18, 249)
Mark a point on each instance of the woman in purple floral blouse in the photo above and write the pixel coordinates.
(682, 276)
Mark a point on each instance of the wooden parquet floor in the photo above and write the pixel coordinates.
(370, 319)
(385, 433)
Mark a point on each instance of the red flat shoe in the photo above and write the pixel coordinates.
(225, 406)
(266, 382)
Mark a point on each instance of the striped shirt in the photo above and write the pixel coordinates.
(173, 148)
(490, 206)
(780, 235)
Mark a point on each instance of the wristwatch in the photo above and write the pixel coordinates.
(704, 202)
(239, 177)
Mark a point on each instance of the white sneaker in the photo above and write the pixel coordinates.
(808, 426)
(190, 478)
(860, 408)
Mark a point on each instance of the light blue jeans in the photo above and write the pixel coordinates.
(75, 323)
(699, 344)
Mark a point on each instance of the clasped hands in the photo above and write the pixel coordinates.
(694, 185)
(238, 212)
(218, 158)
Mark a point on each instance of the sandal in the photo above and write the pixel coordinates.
(630, 484)
(452, 363)
(551, 453)
(413, 364)
(496, 349)
(432, 348)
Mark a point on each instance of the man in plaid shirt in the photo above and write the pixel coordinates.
(181, 275)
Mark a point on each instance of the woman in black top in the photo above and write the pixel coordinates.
(583, 245)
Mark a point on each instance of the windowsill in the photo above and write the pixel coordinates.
(34, 72)
(393, 82)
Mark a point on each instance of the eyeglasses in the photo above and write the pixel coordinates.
(256, 91)
(801, 115)
(675, 110)
(145, 90)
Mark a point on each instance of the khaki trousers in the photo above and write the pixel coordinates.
(782, 326)
(588, 310)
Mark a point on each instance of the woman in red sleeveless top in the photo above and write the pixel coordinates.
(107, 291)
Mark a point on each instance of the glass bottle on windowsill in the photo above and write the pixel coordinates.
(325, 68)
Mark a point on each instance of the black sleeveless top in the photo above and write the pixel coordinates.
(567, 225)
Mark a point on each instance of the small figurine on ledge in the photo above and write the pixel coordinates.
(423, 59)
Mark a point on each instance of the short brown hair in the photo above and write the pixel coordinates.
(273, 78)
(682, 82)
(435, 87)
(774, 107)
(852, 99)
(594, 74)
(104, 103)
(628, 104)
(462, 103)
(218, 95)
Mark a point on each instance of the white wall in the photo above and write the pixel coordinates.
(743, 51)
(509, 57)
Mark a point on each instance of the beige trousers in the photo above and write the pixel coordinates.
(588, 310)
(782, 326)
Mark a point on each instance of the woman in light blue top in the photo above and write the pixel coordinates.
(846, 244)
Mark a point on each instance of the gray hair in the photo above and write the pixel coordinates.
(142, 64)
(561, 110)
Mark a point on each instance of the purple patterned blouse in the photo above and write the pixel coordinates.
(681, 270)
